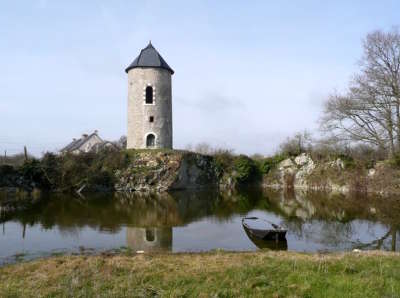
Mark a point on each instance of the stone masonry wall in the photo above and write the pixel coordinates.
(139, 112)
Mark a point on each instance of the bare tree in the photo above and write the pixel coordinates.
(203, 148)
(299, 143)
(207, 149)
(370, 109)
(121, 143)
(189, 147)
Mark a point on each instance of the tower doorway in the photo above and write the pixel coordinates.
(150, 140)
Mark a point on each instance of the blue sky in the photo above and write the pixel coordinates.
(247, 73)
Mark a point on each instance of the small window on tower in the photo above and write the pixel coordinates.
(149, 95)
(151, 119)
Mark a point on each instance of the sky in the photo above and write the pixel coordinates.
(248, 74)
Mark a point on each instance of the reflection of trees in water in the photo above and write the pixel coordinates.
(329, 233)
(325, 218)
(329, 218)
(108, 212)
(149, 210)
(69, 231)
(294, 225)
(386, 242)
(221, 206)
(334, 234)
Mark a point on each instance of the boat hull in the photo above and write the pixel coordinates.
(278, 235)
(267, 244)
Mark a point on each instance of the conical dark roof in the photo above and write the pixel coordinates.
(149, 57)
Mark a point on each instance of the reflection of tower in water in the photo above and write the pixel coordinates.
(149, 239)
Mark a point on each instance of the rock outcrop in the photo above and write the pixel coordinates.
(167, 170)
(305, 167)
(292, 172)
(301, 172)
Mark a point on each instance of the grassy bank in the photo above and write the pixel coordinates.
(261, 274)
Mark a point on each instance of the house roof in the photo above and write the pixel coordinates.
(149, 57)
(76, 144)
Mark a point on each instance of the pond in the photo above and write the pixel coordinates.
(197, 221)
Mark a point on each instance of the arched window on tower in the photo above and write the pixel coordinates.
(149, 95)
(150, 140)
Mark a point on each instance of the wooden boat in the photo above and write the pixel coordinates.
(267, 230)
(268, 244)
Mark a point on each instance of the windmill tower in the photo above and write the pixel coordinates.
(149, 101)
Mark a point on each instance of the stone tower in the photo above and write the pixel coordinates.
(149, 101)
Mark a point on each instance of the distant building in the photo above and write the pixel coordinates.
(149, 101)
(87, 143)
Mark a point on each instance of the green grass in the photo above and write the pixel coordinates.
(217, 274)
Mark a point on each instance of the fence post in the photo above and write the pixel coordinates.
(26, 153)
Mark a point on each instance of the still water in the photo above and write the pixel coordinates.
(197, 221)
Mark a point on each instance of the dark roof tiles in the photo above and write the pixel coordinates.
(149, 57)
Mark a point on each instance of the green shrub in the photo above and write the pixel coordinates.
(224, 161)
(51, 165)
(100, 180)
(6, 170)
(32, 172)
(69, 172)
(95, 170)
(348, 161)
(246, 170)
(7, 175)
(394, 161)
(15, 160)
(370, 164)
(270, 163)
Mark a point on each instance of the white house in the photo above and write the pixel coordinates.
(87, 143)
